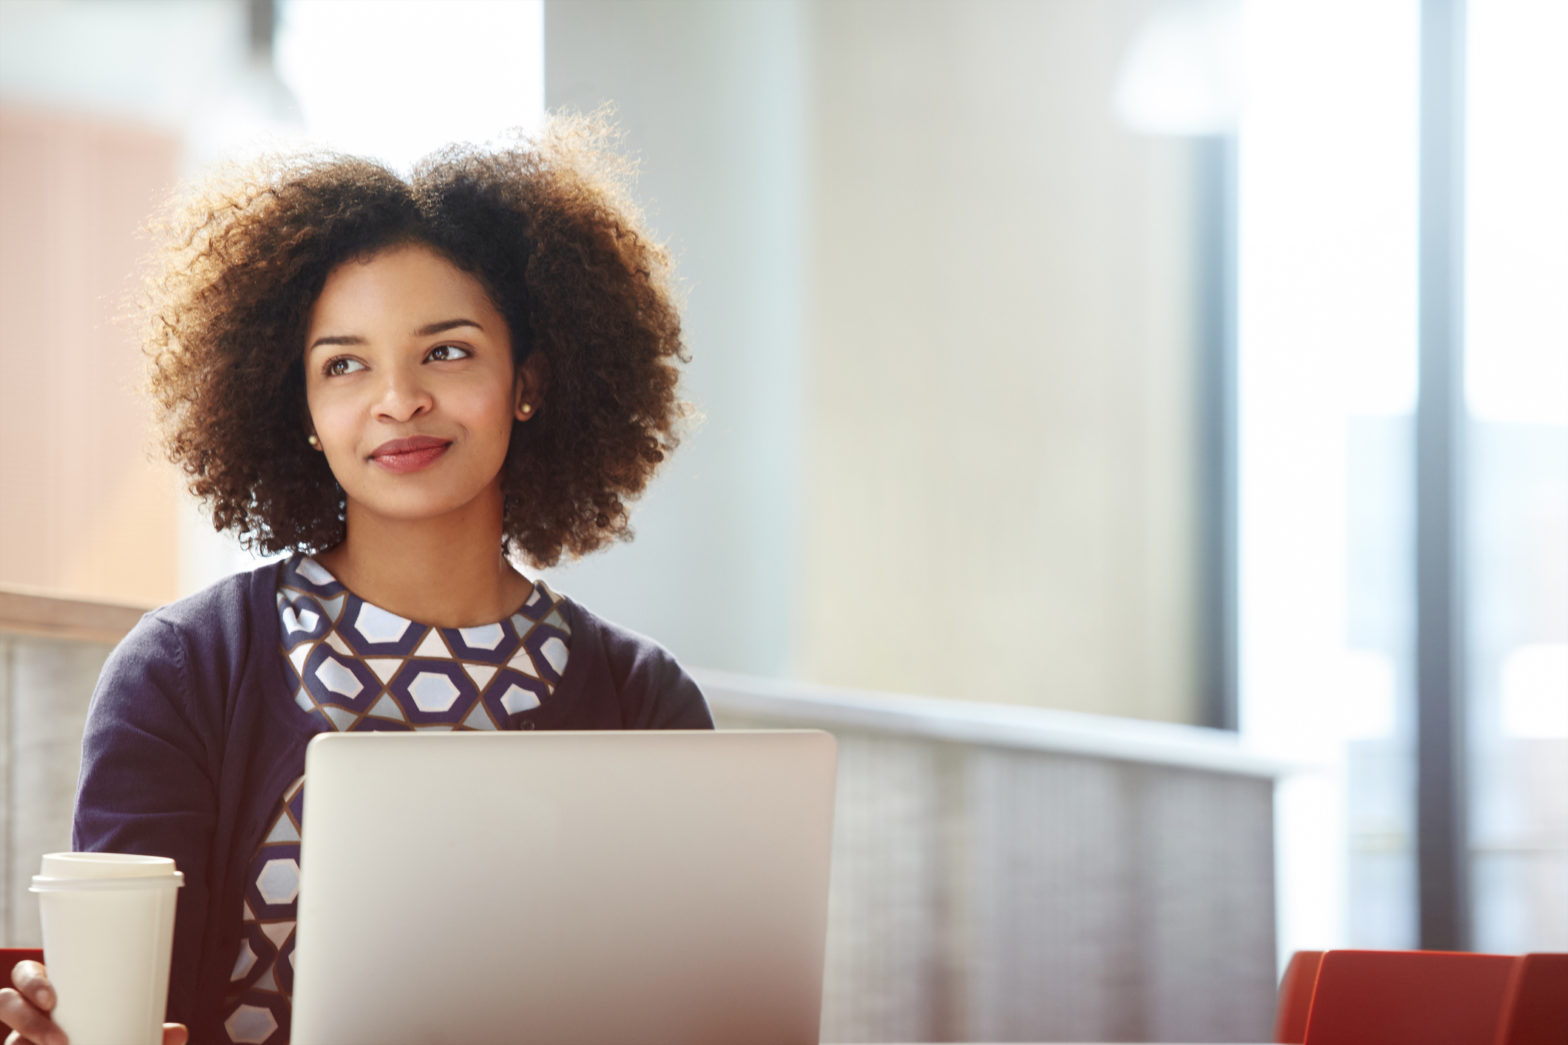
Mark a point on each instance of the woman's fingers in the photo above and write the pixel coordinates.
(33, 982)
(24, 1008)
(29, 1022)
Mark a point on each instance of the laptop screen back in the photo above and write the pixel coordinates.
(571, 888)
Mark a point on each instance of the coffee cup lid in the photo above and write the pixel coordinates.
(104, 865)
(79, 869)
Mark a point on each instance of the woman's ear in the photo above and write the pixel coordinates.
(533, 375)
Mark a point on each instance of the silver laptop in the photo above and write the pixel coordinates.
(595, 888)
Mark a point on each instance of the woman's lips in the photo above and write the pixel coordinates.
(409, 455)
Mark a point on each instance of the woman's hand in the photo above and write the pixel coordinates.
(25, 1008)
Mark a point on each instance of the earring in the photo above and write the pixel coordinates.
(527, 408)
(313, 441)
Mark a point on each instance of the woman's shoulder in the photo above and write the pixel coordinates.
(220, 618)
(181, 662)
(624, 640)
(626, 652)
(655, 691)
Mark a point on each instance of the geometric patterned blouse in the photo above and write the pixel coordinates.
(354, 666)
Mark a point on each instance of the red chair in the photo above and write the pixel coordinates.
(1295, 997)
(1535, 1008)
(9, 956)
(1408, 998)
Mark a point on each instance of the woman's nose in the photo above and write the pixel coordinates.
(403, 396)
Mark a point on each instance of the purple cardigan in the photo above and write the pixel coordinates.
(192, 736)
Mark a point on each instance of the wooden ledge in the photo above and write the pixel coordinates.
(24, 612)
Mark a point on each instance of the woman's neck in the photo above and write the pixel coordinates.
(439, 572)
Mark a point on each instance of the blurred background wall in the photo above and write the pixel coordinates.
(1061, 353)
(78, 186)
(942, 313)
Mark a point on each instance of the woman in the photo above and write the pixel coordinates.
(398, 382)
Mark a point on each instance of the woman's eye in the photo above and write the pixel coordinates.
(446, 353)
(342, 365)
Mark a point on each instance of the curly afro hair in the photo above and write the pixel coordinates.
(544, 225)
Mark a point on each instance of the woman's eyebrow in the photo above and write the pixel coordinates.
(424, 331)
(343, 339)
(446, 324)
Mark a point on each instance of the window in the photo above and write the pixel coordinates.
(1330, 245)
(1516, 469)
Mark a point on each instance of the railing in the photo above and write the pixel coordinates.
(51, 650)
(998, 872)
(1005, 873)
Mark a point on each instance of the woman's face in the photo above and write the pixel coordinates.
(411, 387)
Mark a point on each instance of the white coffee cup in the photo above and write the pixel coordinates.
(108, 926)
